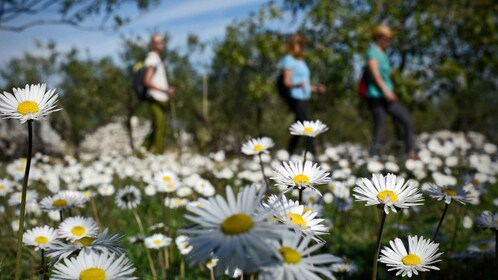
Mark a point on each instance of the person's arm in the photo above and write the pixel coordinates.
(320, 88)
(150, 85)
(288, 79)
(373, 67)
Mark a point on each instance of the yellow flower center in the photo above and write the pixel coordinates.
(312, 199)
(383, 195)
(157, 242)
(92, 274)
(2, 187)
(237, 224)
(166, 179)
(41, 240)
(301, 179)
(171, 186)
(450, 192)
(178, 201)
(484, 246)
(258, 148)
(78, 230)
(297, 219)
(411, 259)
(475, 182)
(290, 255)
(85, 241)
(308, 130)
(59, 203)
(27, 107)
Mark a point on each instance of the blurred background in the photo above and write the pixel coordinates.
(221, 56)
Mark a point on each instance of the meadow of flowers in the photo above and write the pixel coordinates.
(259, 214)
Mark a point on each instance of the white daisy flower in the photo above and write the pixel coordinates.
(420, 257)
(298, 175)
(106, 190)
(204, 187)
(63, 200)
(346, 266)
(30, 103)
(103, 242)
(128, 198)
(166, 181)
(6, 187)
(308, 128)
(487, 220)
(448, 193)
(91, 266)
(157, 241)
(301, 218)
(175, 202)
(295, 261)
(184, 191)
(484, 247)
(211, 263)
(389, 191)
(233, 231)
(257, 145)
(15, 198)
(40, 237)
(182, 242)
(74, 228)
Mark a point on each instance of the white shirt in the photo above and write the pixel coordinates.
(159, 78)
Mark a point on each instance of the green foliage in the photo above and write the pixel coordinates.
(92, 93)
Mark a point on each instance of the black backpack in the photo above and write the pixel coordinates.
(138, 81)
(283, 91)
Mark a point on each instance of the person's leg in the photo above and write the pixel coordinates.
(399, 113)
(158, 127)
(303, 114)
(378, 115)
(294, 138)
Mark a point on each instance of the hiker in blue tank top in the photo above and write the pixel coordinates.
(296, 77)
(381, 98)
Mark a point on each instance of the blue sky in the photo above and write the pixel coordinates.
(206, 18)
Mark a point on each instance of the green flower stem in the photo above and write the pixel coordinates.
(211, 274)
(163, 208)
(440, 221)
(379, 237)
(94, 210)
(496, 247)
(305, 154)
(267, 186)
(182, 268)
(147, 251)
(300, 195)
(23, 201)
(43, 267)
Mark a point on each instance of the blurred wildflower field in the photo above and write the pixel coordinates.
(146, 199)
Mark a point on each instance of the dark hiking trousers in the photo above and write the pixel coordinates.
(300, 108)
(379, 108)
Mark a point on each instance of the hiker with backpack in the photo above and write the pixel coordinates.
(158, 92)
(380, 95)
(294, 86)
